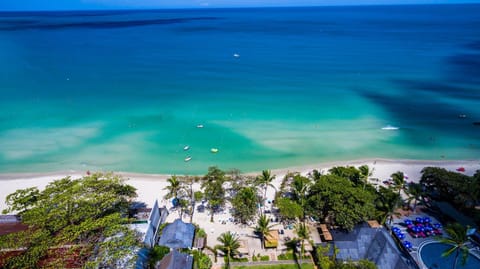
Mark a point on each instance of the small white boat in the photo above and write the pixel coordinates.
(389, 127)
(187, 147)
(188, 158)
(199, 125)
(213, 150)
(236, 55)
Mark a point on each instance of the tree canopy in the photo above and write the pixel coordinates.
(442, 184)
(245, 204)
(87, 216)
(214, 191)
(338, 199)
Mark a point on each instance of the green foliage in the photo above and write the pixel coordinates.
(198, 196)
(264, 258)
(348, 172)
(286, 256)
(462, 190)
(156, 254)
(200, 233)
(245, 203)
(201, 260)
(213, 189)
(289, 209)
(229, 246)
(457, 238)
(87, 212)
(265, 180)
(174, 188)
(263, 227)
(386, 203)
(330, 262)
(340, 200)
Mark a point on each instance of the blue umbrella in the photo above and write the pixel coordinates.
(427, 219)
(418, 219)
(408, 221)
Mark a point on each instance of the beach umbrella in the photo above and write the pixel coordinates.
(418, 219)
(408, 221)
(427, 219)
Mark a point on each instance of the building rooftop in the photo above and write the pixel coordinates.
(374, 244)
(177, 235)
(175, 260)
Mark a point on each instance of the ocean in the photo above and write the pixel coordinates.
(272, 87)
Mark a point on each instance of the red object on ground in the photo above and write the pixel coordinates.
(461, 169)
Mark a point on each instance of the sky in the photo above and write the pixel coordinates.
(6, 5)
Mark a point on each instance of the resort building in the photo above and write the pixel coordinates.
(175, 260)
(177, 235)
(371, 243)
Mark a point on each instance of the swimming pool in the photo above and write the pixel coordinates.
(431, 256)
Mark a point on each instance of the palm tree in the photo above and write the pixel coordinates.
(263, 227)
(457, 238)
(265, 180)
(414, 192)
(229, 247)
(365, 173)
(300, 188)
(387, 202)
(398, 181)
(173, 188)
(303, 234)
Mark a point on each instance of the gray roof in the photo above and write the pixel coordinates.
(177, 235)
(374, 244)
(175, 260)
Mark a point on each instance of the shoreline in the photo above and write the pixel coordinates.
(151, 187)
(298, 168)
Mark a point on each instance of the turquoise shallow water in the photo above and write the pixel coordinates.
(125, 90)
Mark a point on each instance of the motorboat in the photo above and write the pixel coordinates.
(187, 147)
(236, 55)
(213, 150)
(199, 125)
(389, 127)
(188, 158)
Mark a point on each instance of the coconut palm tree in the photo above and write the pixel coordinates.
(263, 227)
(414, 192)
(387, 202)
(174, 187)
(457, 238)
(301, 229)
(300, 188)
(229, 247)
(398, 181)
(365, 173)
(265, 180)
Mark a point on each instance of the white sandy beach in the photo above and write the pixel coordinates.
(151, 187)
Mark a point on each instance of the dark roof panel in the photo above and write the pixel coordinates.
(177, 235)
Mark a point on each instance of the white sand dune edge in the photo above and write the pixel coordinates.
(151, 186)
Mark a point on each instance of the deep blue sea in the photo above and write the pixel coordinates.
(272, 87)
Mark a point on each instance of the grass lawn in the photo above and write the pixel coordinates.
(278, 266)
